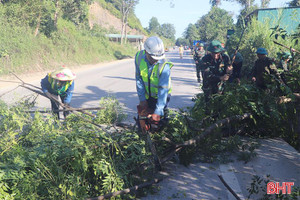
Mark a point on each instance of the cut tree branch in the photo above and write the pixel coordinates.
(211, 128)
(61, 110)
(207, 131)
(229, 188)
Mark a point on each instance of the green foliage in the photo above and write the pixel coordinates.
(42, 158)
(257, 35)
(293, 3)
(154, 26)
(212, 148)
(258, 187)
(165, 30)
(191, 33)
(182, 41)
(214, 25)
(75, 11)
(168, 31)
(69, 41)
(111, 112)
(271, 118)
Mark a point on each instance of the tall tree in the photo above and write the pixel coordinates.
(294, 3)
(215, 3)
(168, 31)
(127, 6)
(182, 41)
(214, 25)
(34, 13)
(154, 26)
(191, 33)
(264, 3)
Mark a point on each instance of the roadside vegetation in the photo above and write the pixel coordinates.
(42, 158)
(38, 35)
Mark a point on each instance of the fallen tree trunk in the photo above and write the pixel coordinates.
(61, 104)
(207, 131)
(67, 109)
(229, 188)
(210, 129)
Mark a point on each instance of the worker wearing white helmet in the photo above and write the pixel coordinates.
(153, 80)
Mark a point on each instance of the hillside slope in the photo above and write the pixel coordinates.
(102, 17)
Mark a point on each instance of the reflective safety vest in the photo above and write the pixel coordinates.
(59, 87)
(153, 80)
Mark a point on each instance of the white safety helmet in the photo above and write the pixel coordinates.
(155, 47)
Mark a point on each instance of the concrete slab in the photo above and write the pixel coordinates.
(200, 181)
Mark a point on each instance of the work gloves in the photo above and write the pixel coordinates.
(155, 119)
(144, 111)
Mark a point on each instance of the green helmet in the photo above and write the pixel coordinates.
(238, 57)
(215, 46)
(262, 51)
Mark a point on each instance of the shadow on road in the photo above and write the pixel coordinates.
(120, 77)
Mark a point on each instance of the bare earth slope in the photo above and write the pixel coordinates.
(102, 17)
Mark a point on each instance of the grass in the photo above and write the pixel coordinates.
(21, 52)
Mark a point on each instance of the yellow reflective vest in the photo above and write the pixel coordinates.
(59, 87)
(153, 80)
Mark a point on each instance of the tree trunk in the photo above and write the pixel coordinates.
(56, 13)
(37, 25)
(122, 32)
(125, 39)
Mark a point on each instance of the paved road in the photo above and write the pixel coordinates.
(199, 180)
(118, 79)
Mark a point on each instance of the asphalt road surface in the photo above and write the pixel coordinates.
(199, 180)
(117, 79)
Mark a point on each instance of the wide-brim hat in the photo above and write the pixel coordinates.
(63, 74)
(215, 47)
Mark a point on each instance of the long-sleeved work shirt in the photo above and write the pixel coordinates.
(67, 96)
(263, 66)
(162, 85)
